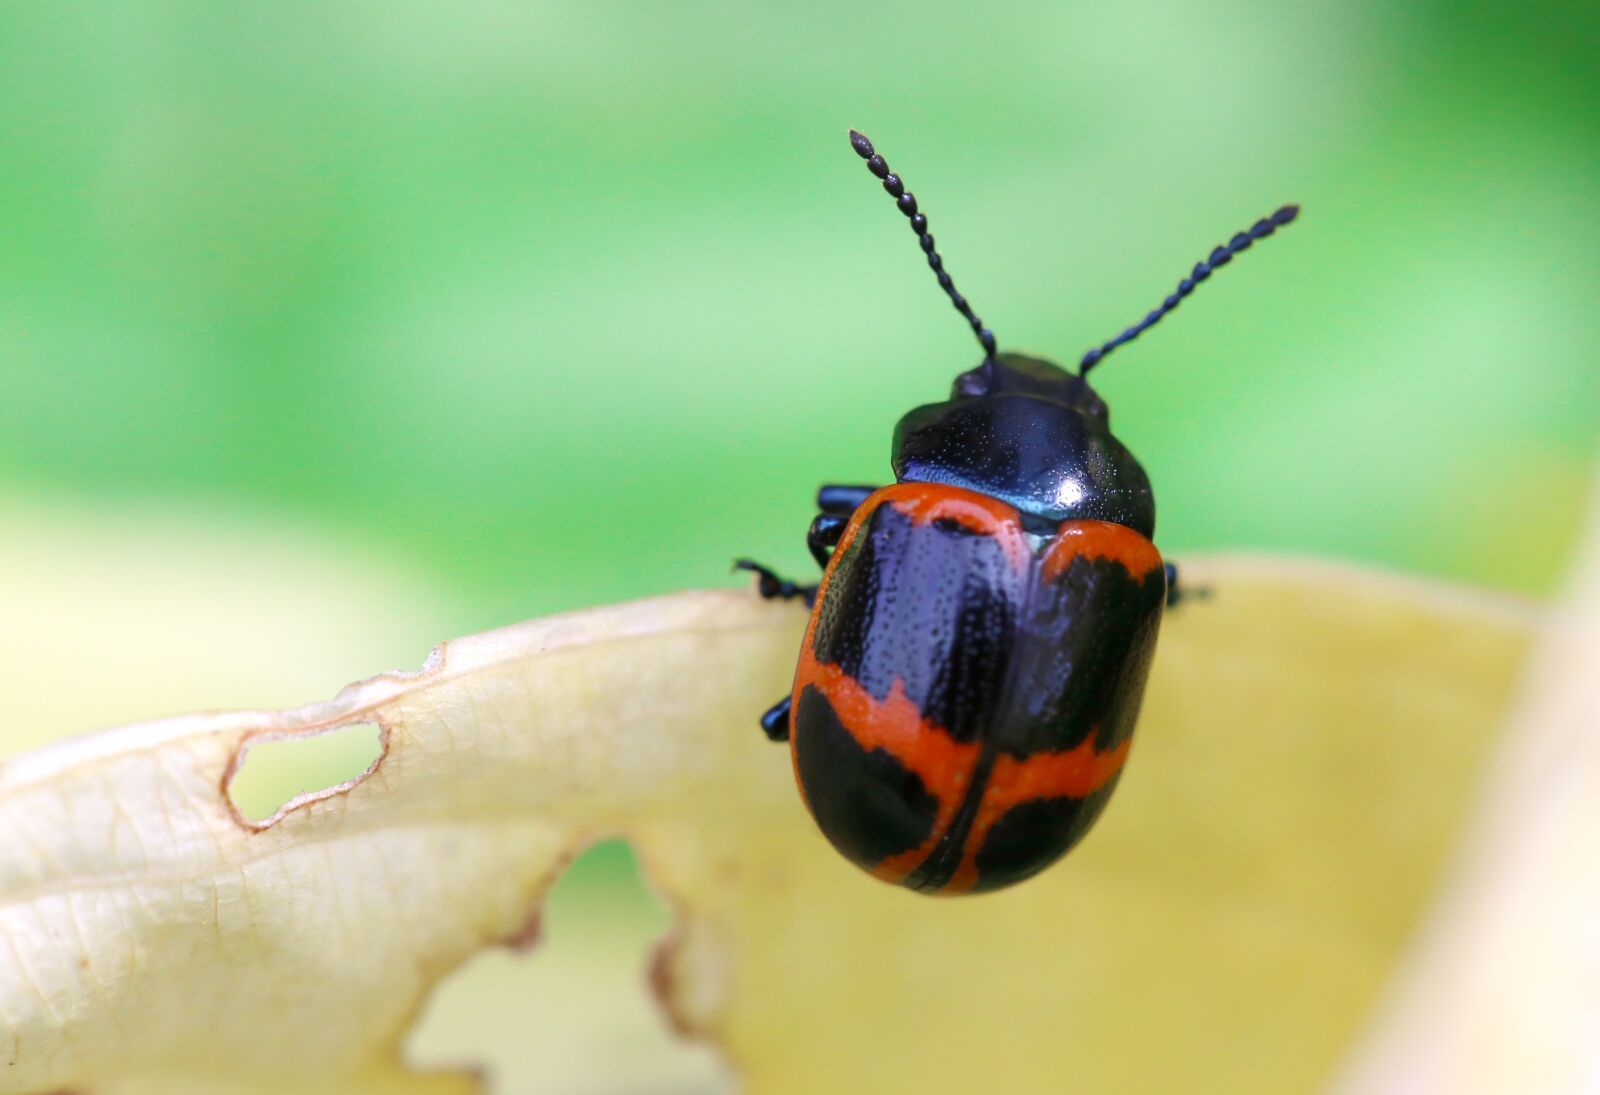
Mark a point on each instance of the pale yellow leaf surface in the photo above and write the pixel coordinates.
(119, 613)
(1311, 740)
(1503, 994)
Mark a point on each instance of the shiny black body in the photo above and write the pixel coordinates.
(977, 650)
(1022, 430)
(1011, 670)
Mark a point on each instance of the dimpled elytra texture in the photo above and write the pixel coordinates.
(1309, 744)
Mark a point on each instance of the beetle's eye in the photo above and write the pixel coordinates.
(973, 382)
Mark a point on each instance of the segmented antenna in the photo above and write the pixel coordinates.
(907, 204)
(1219, 257)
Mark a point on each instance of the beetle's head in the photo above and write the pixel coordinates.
(1017, 374)
(1024, 431)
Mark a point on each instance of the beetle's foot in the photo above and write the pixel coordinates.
(1177, 594)
(771, 587)
(776, 720)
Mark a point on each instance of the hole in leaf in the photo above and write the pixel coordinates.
(274, 773)
(575, 1013)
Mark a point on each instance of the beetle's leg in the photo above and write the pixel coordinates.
(826, 528)
(771, 587)
(824, 533)
(834, 498)
(776, 720)
(837, 503)
(1177, 594)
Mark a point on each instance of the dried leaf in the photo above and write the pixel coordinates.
(1311, 739)
(1502, 994)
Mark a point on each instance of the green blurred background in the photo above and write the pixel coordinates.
(568, 303)
(327, 330)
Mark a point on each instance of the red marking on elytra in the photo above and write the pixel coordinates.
(1100, 540)
(895, 724)
(1072, 773)
(926, 503)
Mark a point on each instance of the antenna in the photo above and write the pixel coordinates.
(907, 204)
(1203, 269)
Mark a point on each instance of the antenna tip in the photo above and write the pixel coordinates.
(1286, 214)
(863, 147)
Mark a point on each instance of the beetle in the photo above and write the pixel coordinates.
(978, 644)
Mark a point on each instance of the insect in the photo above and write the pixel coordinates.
(978, 644)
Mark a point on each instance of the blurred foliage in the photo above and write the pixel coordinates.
(567, 303)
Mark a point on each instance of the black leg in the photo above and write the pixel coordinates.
(1177, 594)
(771, 587)
(835, 498)
(837, 503)
(824, 533)
(776, 720)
